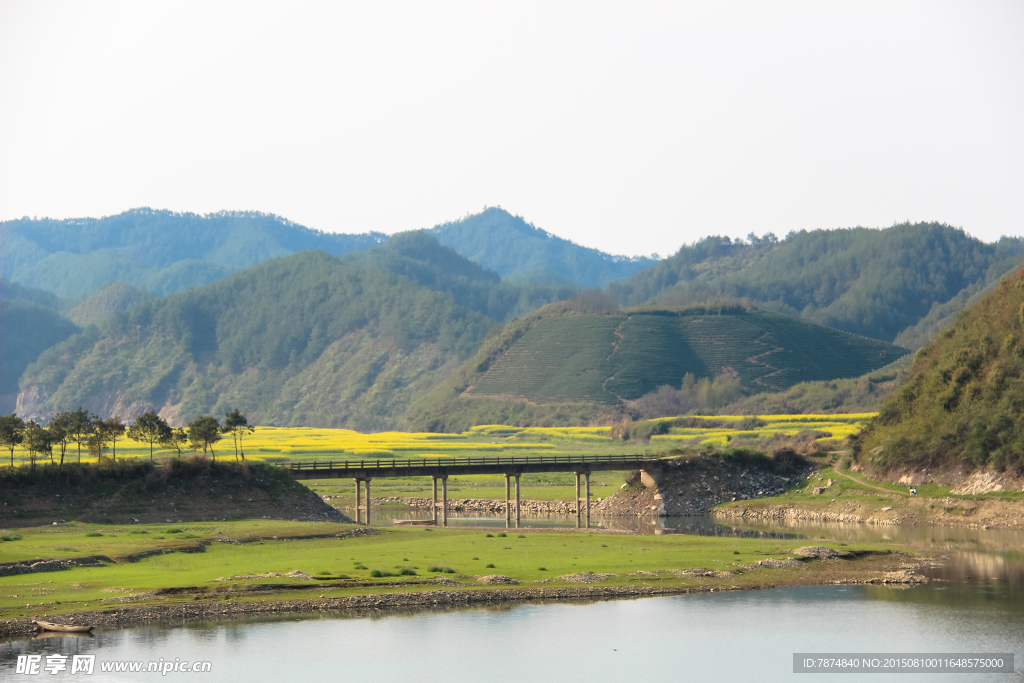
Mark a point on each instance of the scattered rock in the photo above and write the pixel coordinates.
(442, 581)
(818, 552)
(497, 580)
(776, 564)
(585, 577)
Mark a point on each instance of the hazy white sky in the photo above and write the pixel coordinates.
(633, 127)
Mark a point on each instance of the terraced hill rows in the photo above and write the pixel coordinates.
(611, 358)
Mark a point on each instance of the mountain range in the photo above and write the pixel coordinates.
(194, 314)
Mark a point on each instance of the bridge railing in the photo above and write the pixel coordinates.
(395, 463)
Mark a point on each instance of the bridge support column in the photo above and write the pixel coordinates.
(508, 505)
(359, 502)
(367, 501)
(434, 506)
(577, 499)
(517, 501)
(444, 500)
(587, 475)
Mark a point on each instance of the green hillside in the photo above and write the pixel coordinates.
(963, 401)
(298, 340)
(159, 251)
(871, 282)
(517, 250)
(112, 298)
(577, 361)
(26, 330)
(418, 256)
(612, 358)
(864, 394)
(40, 297)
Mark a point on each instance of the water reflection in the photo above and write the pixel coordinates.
(738, 636)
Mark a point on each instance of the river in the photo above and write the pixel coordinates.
(733, 636)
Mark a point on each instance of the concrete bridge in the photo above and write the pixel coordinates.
(439, 469)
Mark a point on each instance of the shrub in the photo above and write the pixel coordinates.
(788, 459)
(406, 571)
(94, 534)
(489, 566)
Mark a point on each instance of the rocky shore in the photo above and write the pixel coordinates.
(688, 488)
(561, 507)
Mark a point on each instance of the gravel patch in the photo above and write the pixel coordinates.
(585, 577)
(497, 580)
(817, 552)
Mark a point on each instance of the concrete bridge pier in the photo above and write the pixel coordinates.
(433, 507)
(508, 505)
(359, 504)
(443, 505)
(585, 500)
(508, 499)
(444, 500)
(577, 499)
(587, 475)
(517, 501)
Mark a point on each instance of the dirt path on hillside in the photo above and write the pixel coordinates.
(755, 360)
(835, 468)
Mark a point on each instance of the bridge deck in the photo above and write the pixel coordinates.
(444, 467)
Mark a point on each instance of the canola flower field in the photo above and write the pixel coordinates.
(304, 444)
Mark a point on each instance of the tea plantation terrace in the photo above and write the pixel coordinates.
(363, 471)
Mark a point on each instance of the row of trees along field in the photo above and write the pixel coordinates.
(80, 428)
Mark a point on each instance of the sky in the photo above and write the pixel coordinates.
(632, 127)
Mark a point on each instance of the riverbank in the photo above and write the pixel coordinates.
(887, 569)
(72, 569)
(757, 489)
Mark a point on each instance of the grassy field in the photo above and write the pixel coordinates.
(195, 559)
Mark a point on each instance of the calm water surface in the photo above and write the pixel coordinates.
(739, 636)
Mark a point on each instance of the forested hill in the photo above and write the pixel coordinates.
(519, 251)
(26, 330)
(298, 340)
(962, 406)
(418, 256)
(580, 352)
(160, 251)
(872, 282)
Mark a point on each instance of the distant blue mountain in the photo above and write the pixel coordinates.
(518, 251)
(160, 251)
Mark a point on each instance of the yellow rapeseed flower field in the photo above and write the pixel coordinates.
(280, 444)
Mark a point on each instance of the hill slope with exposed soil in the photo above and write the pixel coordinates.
(170, 491)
